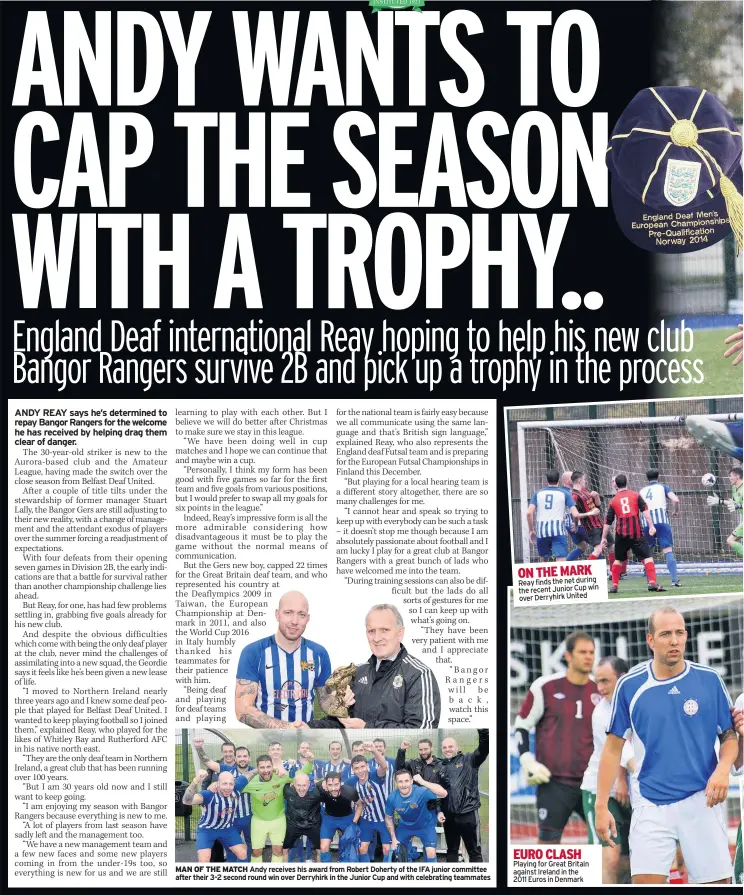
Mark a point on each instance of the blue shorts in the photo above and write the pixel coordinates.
(206, 838)
(663, 537)
(329, 825)
(427, 834)
(579, 536)
(555, 544)
(368, 828)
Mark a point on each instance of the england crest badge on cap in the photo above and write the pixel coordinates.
(675, 158)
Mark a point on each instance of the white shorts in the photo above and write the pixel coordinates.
(700, 831)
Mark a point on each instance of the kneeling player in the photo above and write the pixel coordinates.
(216, 822)
(339, 811)
(410, 804)
(624, 510)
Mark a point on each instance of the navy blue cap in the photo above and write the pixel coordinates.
(675, 157)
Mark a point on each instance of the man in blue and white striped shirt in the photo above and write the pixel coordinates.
(657, 497)
(278, 675)
(236, 762)
(546, 517)
(335, 762)
(217, 819)
(374, 785)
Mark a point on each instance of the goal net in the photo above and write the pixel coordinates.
(603, 448)
(715, 638)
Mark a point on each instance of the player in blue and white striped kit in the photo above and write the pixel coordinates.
(658, 497)
(374, 785)
(677, 712)
(217, 821)
(546, 517)
(278, 675)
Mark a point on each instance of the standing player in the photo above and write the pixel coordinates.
(624, 510)
(216, 821)
(407, 814)
(545, 517)
(278, 675)
(615, 862)
(676, 711)
(575, 530)
(427, 764)
(559, 707)
(335, 761)
(459, 776)
(348, 774)
(734, 505)
(266, 789)
(738, 771)
(339, 802)
(373, 786)
(657, 497)
(586, 501)
(302, 808)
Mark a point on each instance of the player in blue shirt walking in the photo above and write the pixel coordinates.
(546, 517)
(278, 675)
(658, 497)
(675, 710)
(407, 812)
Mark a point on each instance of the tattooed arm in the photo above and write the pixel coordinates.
(203, 757)
(245, 707)
(191, 796)
(391, 829)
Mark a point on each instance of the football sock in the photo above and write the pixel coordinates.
(738, 546)
(363, 859)
(616, 569)
(574, 554)
(429, 860)
(671, 565)
(325, 857)
(277, 859)
(256, 859)
(611, 557)
(650, 572)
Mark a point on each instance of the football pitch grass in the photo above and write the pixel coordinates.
(721, 378)
(692, 585)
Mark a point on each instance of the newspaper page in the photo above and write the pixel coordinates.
(372, 377)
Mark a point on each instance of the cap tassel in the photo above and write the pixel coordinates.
(734, 204)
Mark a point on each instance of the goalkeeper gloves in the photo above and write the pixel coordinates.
(729, 504)
(536, 773)
(712, 500)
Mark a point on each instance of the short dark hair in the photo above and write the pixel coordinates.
(358, 759)
(243, 749)
(333, 775)
(619, 666)
(402, 771)
(379, 740)
(575, 476)
(621, 480)
(737, 470)
(357, 743)
(275, 743)
(428, 742)
(231, 745)
(652, 474)
(575, 637)
(335, 743)
(263, 758)
(552, 476)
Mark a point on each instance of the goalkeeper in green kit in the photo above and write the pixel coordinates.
(734, 505)
(266, 789)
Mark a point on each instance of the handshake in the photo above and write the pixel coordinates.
(713, 500)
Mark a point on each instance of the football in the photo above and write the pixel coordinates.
(708, 480)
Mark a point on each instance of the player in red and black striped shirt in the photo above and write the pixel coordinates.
(586, 501)
(624, 510)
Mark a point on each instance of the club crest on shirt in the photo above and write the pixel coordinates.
(307, 666)
(542, 813)
(690, 707)
(596, 698)
(398, 681)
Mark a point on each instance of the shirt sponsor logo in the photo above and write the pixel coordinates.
(674, 691)
(362, 680)
(690, 707)
(559, 695)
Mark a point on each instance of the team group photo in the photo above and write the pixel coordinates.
(655, 489)
(295, 796)
(627, 731)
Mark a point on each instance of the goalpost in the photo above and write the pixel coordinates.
(715, 628)
(602, 448)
